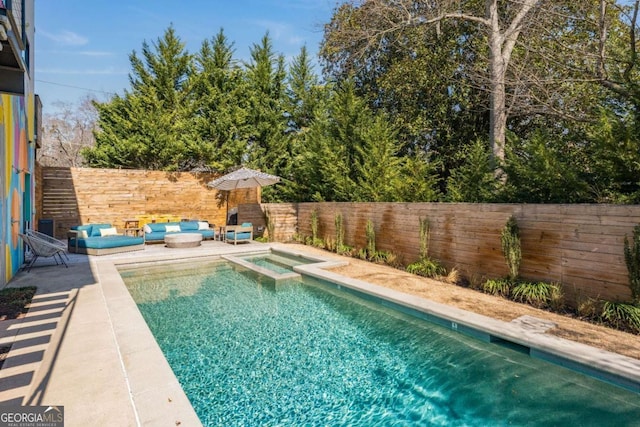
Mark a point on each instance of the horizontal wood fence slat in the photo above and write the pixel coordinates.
(72, 196)
(580, 246)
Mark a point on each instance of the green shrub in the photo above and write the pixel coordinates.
(268, 219)
(425, 236)
(623, 316)
(510, 239)
(501, 287)
(339, 231)
(370, 233)
(347, 250)
(329, 244)
(426, 268)
(556, 298)
(314, 225)
(341, 248)
(538, 294)
(632, 259)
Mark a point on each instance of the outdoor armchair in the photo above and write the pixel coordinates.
(42, 248)
(59, 243)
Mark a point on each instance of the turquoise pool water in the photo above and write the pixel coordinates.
(278, 262)
(248, 352)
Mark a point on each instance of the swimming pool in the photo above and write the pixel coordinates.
(278, 262)
(249, 352)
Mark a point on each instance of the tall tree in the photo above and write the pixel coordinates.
(149, 127)
(617, 64)
(220, 105)
(303, 90)
(268, 147)
(356, 28)
(350, 152)
(67, 132)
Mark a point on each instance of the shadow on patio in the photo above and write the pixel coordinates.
(35, 339)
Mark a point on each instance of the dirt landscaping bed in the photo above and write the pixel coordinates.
(499, 308)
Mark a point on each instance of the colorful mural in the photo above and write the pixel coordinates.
(18, 164)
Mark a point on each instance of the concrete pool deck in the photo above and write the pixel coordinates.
(84, 345)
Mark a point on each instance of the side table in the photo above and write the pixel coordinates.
(133, 231)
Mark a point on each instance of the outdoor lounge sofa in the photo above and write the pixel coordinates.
(239, 233)
(101, 239)
(155, 232)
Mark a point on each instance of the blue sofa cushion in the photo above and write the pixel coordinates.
(107, 242)
(158, 226)
(159, 230)
(241, 236)
(189, 226)
(95, 229)
(85, 228)
(206, 234)
(156, 236)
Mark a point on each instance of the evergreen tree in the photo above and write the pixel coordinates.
(420, 176)
(611, 162)
(541, 170)
(377, 169)
(268, 148)
(304, 92)
(349, 153)
(473, 181)
(150, 127)
(220, 101)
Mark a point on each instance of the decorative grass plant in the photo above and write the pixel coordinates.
(370, 233)
(625, 317)
(632, 259)
(510, 239)
(339, 223)
(538, 294)
(425, 266)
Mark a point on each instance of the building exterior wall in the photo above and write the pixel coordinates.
(17, 145)
(17, 194)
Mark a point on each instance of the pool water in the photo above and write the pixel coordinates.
(278, 262)
(248, 352)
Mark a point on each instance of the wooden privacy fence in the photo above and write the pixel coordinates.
(72, 196)
(580, 246)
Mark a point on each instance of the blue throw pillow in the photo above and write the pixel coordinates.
(189, 225)
(157, 226)
(95, 229)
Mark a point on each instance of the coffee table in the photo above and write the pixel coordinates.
(183, 240)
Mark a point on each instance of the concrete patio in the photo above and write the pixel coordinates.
(85, 346)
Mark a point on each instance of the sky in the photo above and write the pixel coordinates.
(82, 47)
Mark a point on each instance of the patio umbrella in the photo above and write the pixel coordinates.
(243, 178)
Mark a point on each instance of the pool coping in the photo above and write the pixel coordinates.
(604, 365)
(156, 395)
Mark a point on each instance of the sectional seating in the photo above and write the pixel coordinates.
(239, 233)
(155, 232)
(101, 239)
